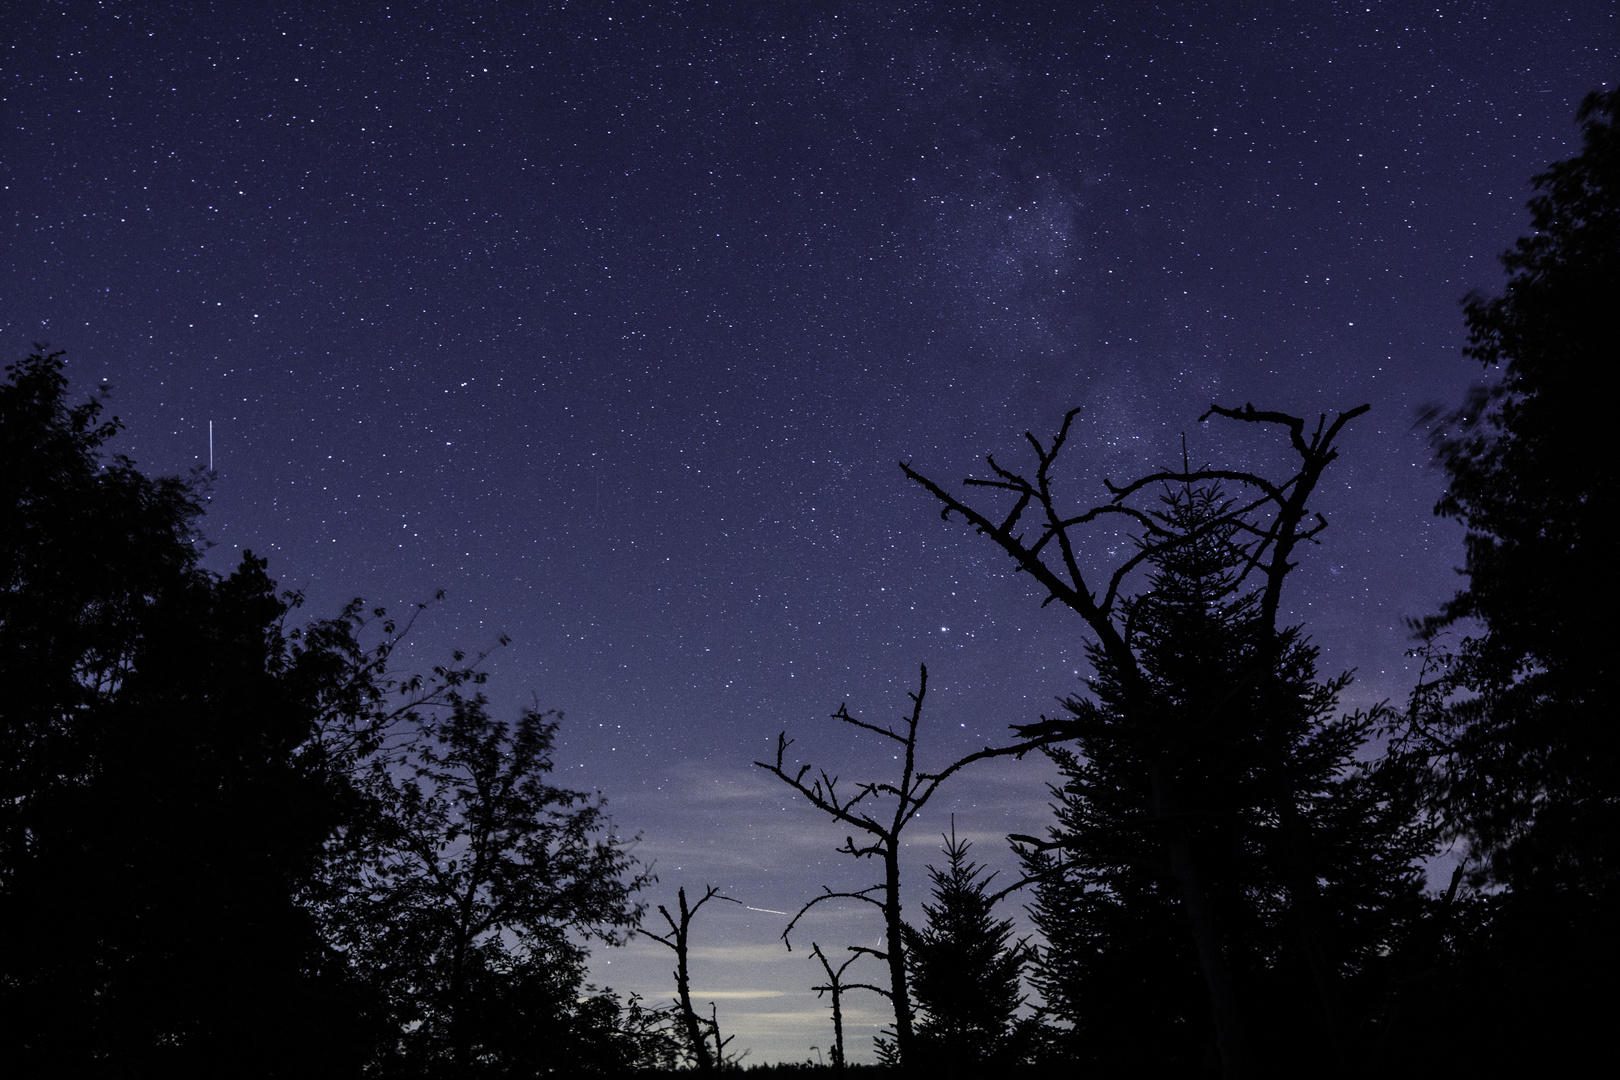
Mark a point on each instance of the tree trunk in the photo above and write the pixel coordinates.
(460, 1050)
(1306, 912)
(838, 1030)
(689, 1017)
(897, 951)
(1225, 1008)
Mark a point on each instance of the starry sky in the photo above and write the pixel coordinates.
(612, 321)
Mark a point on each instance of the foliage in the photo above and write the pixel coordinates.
(469, 906)
(207, 816)
(1251, 736)
(1519, 719)
(965, 970)
(166, 798)
(1531, 776)
(87, 548)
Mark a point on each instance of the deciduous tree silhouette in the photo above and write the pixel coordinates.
(186, 812)
(1271, 518)
(881, 835)
(463, 906)
(1526, 748)
(167, 787)
(1535, 755)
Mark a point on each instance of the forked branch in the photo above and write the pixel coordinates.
(679, 931)
(1272, 515)
(910, 792)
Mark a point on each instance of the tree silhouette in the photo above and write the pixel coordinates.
(965, 970)
(836, 986)
(881, 836)
(167, 792)
(1242, 745)
(679, 931)
(462, 907)
(1531, 475)
(1268, 520)
(201, 824)
(1527, 752)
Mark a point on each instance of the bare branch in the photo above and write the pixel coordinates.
(843, 714)
(1274, 492)
(860, 894)
(1073, 594)
(822, 795)
(1250, 414)
(911, 792)
(852, 986)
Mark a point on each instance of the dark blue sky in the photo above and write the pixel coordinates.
(612, 320)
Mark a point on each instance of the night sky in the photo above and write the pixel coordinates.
(613, 320)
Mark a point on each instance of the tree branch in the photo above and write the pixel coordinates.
(830, 895)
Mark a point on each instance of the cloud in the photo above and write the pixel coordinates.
(740, 954)
(734, 995)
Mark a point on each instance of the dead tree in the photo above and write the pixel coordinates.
(882, 840)
(1045, 542)
(837, 986)
(677, 940)
(721, 1061)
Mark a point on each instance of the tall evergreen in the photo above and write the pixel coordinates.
(1270, 788)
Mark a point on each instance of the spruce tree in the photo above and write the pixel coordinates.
(1251, 739)
(965, 969)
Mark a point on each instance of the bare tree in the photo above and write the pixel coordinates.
(836, 985)
(677, 939)
(721, 1060)
(1274, 518)
(882, 840)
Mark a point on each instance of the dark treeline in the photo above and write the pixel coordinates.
(237, 844)
(233, 846)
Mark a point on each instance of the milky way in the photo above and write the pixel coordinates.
(613, 321)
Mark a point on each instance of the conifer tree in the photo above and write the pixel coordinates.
(1251, 737)
(965, 969)
(1266, 524)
